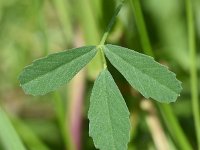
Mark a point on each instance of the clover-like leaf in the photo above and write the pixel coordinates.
(108, 114)
(144, 74)
(48, 73)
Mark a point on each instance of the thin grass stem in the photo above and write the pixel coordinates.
(193, 68)
(111, 23)
(168, 114)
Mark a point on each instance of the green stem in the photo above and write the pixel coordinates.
(105, 35)
(63, 12)
(175, 131)
(146, 44)
(193, 68)
(168, 114)
(61, 115)
(30, 139)
(103, 59)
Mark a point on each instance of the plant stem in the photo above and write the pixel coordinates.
(174, 126)
(90, 32)
(105, 35)
(193, 68)
(61, 115)
(154, 125)
(103, 59)
(63, 13)
(175, 131)
(145, 42)
(30, 139)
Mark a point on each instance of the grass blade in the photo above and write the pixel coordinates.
(8, 135)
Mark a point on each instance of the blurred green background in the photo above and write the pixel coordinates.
(30, 29)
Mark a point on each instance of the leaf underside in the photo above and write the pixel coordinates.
(150, 78)
(48, 73)
(108, 114)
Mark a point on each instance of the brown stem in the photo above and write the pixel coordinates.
(154, 125)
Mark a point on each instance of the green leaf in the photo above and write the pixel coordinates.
(108, 115)
(8, 136)
(144, 74)
(48, 73)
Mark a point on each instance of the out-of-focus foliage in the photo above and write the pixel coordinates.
(9, 134)
(31, 29)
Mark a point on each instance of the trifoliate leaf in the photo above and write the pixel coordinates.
(147, 76)
(108, 114)
(48, 73)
